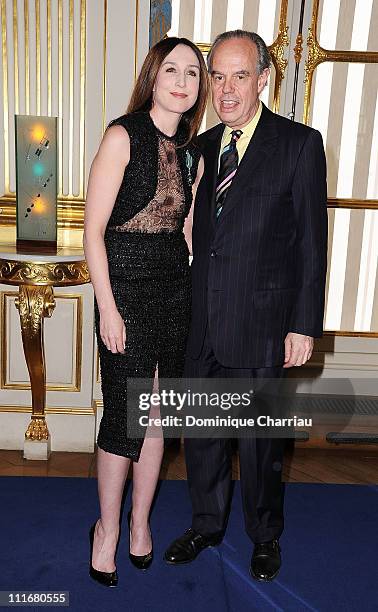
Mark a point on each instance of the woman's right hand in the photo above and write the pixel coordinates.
(113, 331)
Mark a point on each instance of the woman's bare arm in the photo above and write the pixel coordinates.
(104, 181)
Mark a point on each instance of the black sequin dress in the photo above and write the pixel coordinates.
(148, 262)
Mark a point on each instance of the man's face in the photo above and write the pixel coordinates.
(235, 84)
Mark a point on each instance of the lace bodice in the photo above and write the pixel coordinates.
(156, 190)
(164, 212)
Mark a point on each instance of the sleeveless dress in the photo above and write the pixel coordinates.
(149, 271)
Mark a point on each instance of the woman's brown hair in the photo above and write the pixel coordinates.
(141, 99)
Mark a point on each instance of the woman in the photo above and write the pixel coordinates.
(141, 188)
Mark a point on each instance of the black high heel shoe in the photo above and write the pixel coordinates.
(109, 579)
(142, 562)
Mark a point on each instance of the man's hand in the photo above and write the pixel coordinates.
(298, 349)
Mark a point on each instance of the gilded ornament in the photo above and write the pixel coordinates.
(277, 51)
(26, 272)
(37, 430)
(298, 48)
(33, 303)
(315, 55)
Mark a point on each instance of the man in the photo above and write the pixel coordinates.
(259, 267)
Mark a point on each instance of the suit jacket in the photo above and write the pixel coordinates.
(258, 272)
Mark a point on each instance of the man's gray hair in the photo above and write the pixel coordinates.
(264, 59)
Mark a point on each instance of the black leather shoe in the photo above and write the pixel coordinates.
(142, 562)
(109, 579)
(186, 548)
(266, 561)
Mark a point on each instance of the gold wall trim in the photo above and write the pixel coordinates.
(204, 47)
(27, 58)
(60, 90)
(83, 53)
(298, 49)
(317, 55)
(4, 346)
(75, 386)
(15, 59)
(277, 52)
(49, 60)
(68, 154)
(70, 213)
(352, 334)
(53, 410)
(352, 203)
(5, 92)
(71, 99)
(38, 52)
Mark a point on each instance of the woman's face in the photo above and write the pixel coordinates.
(177, 82)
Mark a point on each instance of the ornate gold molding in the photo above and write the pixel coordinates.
(277, 52)
(49, 59)
(36, 273)
(33, 303)
(5, 92)
(37, 429)
(75, 385)
(27, 57)
(60, 90)
(83, 57)
(316, 55)
(298, 49)
(204, 47)
(16, 53)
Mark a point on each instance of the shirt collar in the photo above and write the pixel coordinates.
(247, 129)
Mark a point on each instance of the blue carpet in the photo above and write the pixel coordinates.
(329, 550)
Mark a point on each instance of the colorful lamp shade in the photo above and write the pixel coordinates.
(36, 179)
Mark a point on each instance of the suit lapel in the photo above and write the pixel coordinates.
(261, 146)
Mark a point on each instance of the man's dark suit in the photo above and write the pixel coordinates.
(258, 272)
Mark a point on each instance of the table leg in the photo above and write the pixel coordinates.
(34, 303)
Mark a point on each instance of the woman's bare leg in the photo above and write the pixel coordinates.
(145, 476)
(111, 474)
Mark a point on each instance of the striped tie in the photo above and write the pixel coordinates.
(227, 170)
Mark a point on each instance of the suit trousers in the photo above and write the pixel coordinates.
(209, 463)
